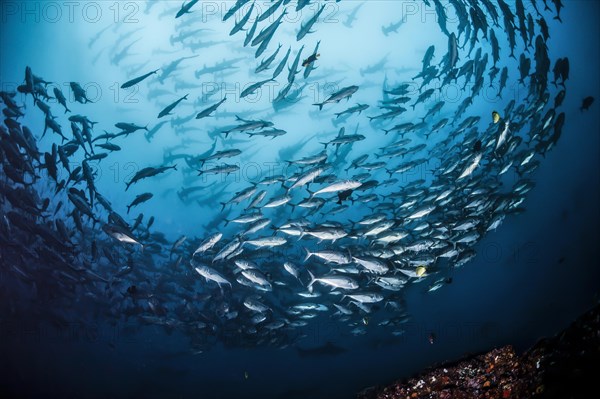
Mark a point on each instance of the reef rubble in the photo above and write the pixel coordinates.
(565, 366)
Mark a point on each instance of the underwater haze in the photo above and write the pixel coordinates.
(289, 199)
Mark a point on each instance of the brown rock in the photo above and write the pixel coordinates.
(560, 367)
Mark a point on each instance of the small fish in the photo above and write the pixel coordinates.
(587, 103)
(208, 243)
(178, 243)
(138, 200)
(305, 28)
(495, 117)
(310, 60)
(120, 235)
(336, 281)
(169, 108)
(60, 97)
(253, 87)
(338, 96)
(206, 112)
(137, 80)
(185, 8)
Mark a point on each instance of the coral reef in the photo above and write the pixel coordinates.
(564, 366)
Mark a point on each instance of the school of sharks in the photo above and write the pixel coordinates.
(340, 231)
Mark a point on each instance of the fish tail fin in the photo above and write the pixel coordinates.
(320, 105)
(223, 204)
(308, 254)
(302, 234)
(312, 279)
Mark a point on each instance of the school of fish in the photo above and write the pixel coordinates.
(341, 236)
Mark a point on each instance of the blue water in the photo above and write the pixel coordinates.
(529, 279)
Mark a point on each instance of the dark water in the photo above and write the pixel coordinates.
(529, 279)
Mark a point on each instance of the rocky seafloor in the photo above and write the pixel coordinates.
(565, 366)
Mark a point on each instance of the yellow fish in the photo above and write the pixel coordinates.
(495, 117)
(420, 271)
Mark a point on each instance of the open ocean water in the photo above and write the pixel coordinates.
(280, 199)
